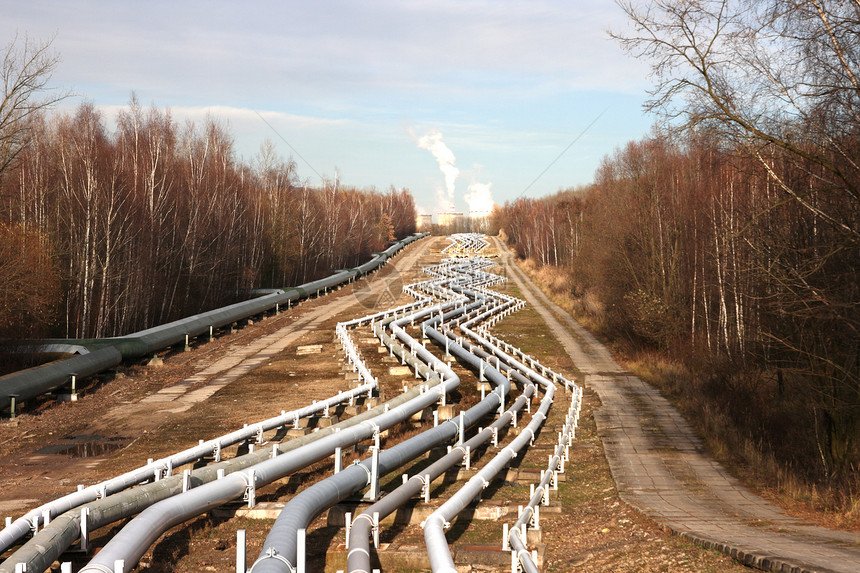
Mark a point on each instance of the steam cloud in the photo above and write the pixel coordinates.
(432, 142)
(478, 196)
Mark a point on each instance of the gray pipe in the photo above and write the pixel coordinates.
(40, 551)
(517, 543)
(280, 548)
(32, 382)
(358, 554)
(441, 560)
(134, 539)
(280, 544)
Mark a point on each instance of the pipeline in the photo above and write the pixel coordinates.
(455, 285)
(62, 517)
(43, 514)
(530, 515)
(358, 552)
(434, 526)
(94, 362)
(280, 549)
(108, 352)
(136, 537)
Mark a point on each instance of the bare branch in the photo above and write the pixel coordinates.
(25, 74)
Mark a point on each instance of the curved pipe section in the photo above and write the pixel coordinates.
(134, 539)
(465, 303)
(280, 548)
(137, 536)
(358, 546)
(106, 502)
(435, 525)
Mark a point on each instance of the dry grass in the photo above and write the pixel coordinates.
(744, 421)
(748, 455)
(557, 283)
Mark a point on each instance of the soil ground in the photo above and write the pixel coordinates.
(43, 453)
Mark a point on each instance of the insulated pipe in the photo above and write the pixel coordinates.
(358, 546)
(33, 518)
(137, 536)
(280, 548)
(517, 543)
(28, 384)
(40, 551)
(21, 526)
(297, 514)
(438, 521)
(139, 499)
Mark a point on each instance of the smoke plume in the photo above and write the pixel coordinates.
(432, 142)
(480, 199)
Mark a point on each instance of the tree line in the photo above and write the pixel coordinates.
(107, 232)
(730, 239)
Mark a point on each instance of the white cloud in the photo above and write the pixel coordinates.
(508, 82)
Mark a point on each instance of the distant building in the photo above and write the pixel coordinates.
(452, 219)
(479, 221)
(423, 222)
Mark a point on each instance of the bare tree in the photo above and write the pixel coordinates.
(777, 81)
(782, 73)
(26, 71)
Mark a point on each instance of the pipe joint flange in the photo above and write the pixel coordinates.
(366, 516)
(376, 429)
(460, 447)
(523, 555)
(34, 523)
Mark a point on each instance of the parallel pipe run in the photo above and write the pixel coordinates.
(462, 301)
(435, 525)
(358, 546)
(107, 506)
(280, 551)
(133, 540)
(38, 380)
(33, 519)
(541, 492)
(28, 384)
(137, 536)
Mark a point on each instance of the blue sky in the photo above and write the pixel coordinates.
(353, 86)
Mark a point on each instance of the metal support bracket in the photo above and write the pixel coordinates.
(251, 488)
